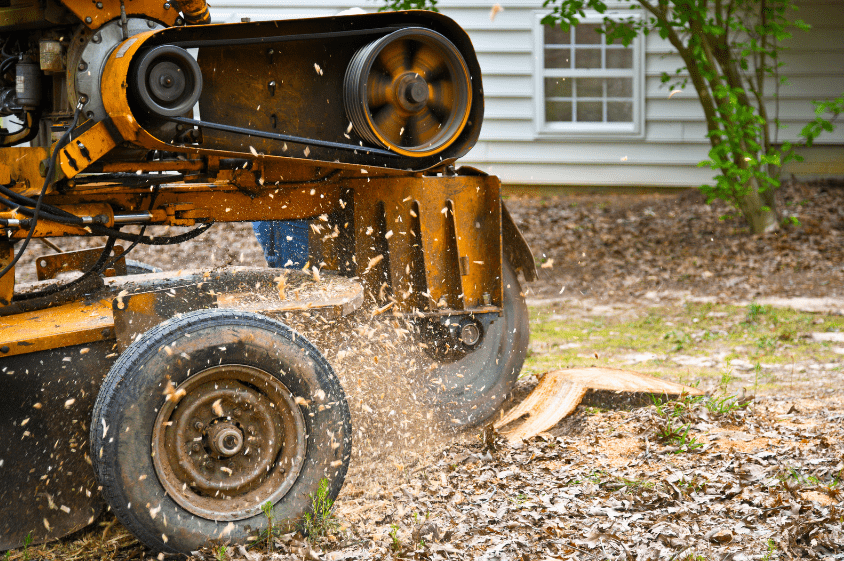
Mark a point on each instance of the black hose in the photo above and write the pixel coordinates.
(102, 263)
(52, 165)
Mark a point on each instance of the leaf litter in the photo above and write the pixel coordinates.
(763, 482)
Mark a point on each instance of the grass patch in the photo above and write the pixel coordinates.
(706, 337)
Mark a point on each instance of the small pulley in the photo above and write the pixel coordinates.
(409, 91)
(167, 81)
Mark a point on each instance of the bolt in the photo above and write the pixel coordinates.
(83, 66)
(88, 19)
(83, 99)
(487, 299)
(197, 425)
(470, 334)
(99, 5)
(167, 5)
(4, 349)
(179, 21)
(96, 38)
(150, 24)
(195, 447)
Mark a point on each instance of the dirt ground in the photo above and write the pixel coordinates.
(754, 476)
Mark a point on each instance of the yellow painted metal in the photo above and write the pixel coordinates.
(195, 11)
(86, 149)
(459, 220)
(49, 229)
(74, 323)
(22, 166)
(97, 14)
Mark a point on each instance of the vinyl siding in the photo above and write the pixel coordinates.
(673, 132)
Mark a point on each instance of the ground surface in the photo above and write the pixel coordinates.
(660, 284)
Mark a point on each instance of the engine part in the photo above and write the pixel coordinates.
(167, 81)
(51, 56)
(27, 83)
(87, 56)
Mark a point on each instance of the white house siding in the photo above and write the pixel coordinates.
(672, 138)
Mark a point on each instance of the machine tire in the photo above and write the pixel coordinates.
(264, 366)
(476, 385)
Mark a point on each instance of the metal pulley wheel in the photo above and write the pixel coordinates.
(409, 91)
(167, 81)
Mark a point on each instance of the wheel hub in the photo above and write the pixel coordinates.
(224, 439)
(234, 441)
(411, 91)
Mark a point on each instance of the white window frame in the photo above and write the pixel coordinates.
(558, 129)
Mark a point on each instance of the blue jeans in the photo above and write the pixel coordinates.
(285, 242)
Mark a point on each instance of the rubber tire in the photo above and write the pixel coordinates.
(489, 373)
(130, 398)
(140, 268)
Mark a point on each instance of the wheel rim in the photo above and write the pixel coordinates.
(409, 91)
(235, 440)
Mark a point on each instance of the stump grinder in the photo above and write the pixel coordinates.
(181, 399)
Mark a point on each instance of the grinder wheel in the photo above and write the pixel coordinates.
(409, 91)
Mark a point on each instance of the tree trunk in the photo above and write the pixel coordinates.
(759, 209)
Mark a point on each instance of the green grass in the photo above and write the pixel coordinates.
(758, 334)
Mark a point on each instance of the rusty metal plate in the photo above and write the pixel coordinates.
(50, 266)
(48, 489)
(134, 314)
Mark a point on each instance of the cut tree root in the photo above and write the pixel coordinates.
(559, 392)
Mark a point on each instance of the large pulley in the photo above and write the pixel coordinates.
(409, 91)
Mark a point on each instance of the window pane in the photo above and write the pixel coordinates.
(620, 87)
(619, 58)
(590, 87)
(619, 111)
(586, 34)
(557, 58)
(558, 111)
(590, 111)
(557, 87)
(556, 36)
(587, 58)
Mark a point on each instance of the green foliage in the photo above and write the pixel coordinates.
(320, 522)
(267, 535)
(772, 549)
(678, 338)
(677, 435)
(395, 543)
(221, 553)
(27, 541)
(399, 5)
(729, 50)
(754, 311)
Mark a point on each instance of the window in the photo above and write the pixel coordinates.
(584, 85)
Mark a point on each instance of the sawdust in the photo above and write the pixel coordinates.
(817, 497)
(619, 451)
